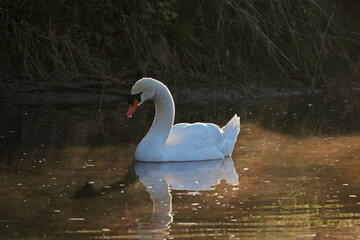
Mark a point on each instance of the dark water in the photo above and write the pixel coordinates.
(69, 173)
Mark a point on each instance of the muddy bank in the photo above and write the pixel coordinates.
(48, 94)
(98, 93)
(64, 95)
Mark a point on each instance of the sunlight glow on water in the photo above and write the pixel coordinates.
(294, 174)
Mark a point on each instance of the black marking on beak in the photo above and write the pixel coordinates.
(134, 96)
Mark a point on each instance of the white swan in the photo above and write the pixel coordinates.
(166, 142)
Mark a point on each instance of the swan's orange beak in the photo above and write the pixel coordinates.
(132, 109)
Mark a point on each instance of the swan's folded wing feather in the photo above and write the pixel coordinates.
(196, 135)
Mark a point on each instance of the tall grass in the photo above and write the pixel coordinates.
(35, 48)
(244, 42)
(279, 41)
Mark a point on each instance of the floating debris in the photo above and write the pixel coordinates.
(76, 219)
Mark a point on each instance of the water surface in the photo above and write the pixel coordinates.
(69, 173)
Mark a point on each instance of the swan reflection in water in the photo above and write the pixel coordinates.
(160, 178)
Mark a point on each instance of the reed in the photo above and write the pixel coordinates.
(247, 43)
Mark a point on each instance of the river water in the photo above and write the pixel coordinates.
(69, 173)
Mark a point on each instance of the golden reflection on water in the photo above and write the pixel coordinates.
(277, 185)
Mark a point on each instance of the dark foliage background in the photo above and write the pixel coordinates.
(248, 43)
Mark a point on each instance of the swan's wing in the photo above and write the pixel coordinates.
(196, 135)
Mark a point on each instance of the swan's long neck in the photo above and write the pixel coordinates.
(164, 116)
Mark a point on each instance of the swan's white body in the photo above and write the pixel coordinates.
(166, 142)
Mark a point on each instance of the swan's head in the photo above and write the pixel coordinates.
(142, 90)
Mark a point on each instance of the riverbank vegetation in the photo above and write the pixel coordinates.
(241, 43)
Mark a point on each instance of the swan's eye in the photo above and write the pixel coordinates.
(134, 96)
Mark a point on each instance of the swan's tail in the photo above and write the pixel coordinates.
(231, 131)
